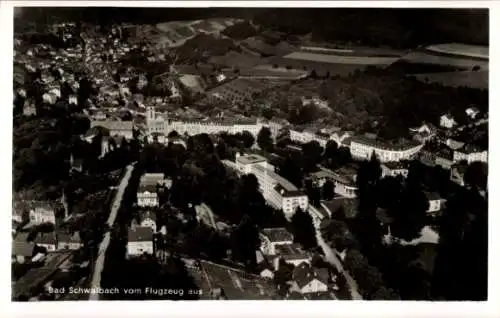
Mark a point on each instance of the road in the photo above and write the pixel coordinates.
(99, 264)
(332, 258)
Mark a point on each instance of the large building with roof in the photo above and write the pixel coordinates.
(363, 147)
(344, 180)
(116, 127)
(278, 192)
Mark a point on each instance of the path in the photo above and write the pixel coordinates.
(332, 258)
(99, 264)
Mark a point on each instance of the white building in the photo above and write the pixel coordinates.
(308, 280)
(472, 112)
(344, 180)
(362, 148)
(292, 254)
(47, 240)
(116, 127)
(148, 219)
(272, 237)
(277, 191)
(140, 241)
(447, 121)
(470, 154)
(436, 202)
(146, 193)
(39, 213)
(308, 135)
(394, 169)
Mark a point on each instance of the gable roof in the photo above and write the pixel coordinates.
(68, 238)
(46, 238)
(303, 274)
(279, 234)
(140, 234)
(21, 246)
(147, 215)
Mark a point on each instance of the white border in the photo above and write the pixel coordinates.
(244, 308)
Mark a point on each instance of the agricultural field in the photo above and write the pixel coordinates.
(419, 57)
(474, 51)
(341, 59)
(457, 79)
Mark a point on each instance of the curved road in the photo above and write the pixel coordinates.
(99, 264)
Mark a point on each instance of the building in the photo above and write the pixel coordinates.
(306, 279)
(148, 219)
(22, 250)
(66, 241)
(140, 241)
(472, 112)
(447, 121)
(47, 240)
(344, 180)
(116, 127)
(363, 147)
(272, 237)
(394, 169)
(436, 202)
(277, 191)
(205, 215)
(470, 153)
(457, 173)
(308, 135)
(291, 254)
(146, 193)
(40, 211)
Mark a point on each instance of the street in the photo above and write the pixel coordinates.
(99, 265)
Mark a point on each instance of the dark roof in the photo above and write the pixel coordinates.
(46, 238)
(147, 214)
(303, 274)
(69, 238)
(140, 234)
(395, 165)
(433, 196)
(279, 234)
(21, 246)
(402, 144)
(147, 187)
(291, 252)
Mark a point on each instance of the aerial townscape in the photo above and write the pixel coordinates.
(250, 154)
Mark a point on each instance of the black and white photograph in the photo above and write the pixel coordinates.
(249, 153)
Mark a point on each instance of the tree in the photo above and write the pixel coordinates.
(303, 229)
(247, 138)
(173, 134)
(312, 152)
(245, 240)
(264, 139)
(328, 190)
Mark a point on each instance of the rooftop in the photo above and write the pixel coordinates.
(291, 252)
(395, 165)
(46, 238)
(113, 124)
(279, 234)
(387, 145)
(250, 159)
(303, 274)
(140, 234)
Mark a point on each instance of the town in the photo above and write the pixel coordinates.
(225, 158)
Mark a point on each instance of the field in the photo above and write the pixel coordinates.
(430, 58)
(237, 285)
(341, 59)
(475, 51)
(455, 79)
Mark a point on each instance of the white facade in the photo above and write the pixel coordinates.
(41, 215)
(435, 205)
(447, 121)
(149, 222)
(269, 248)
(481, 156)
(51, 247)
(139, 248)
(393, 172)
(296, 261)
(304, 137)
(314, 286)
(147, 199)
(363, 150)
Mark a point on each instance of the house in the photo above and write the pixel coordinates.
(116, 127)
(447, 121)
(393, 169)
(29, 108)
(272, 237)
(22, 250)
(472, 112)
(344, 180)
(458, 172)
(75, 164)
(66, 241)
(306, 279)
(291, 254)
(470, 153)
(146, 193)
(265, 270)
(148, 219)
(436, 202)
(49, 98)
(47, 240)
(72, 100)
(39, 211)
(140, 241)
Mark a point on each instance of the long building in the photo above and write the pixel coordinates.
(362, 148)
(159, 124)
(278, 192)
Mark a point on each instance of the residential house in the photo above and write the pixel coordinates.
(72, 100)
(447, 121)
(148, 219)
(146, 193)
(22, 250)
(457, 173)
(470, 153)
(394, 169)
(272, 237)
(116, 127)
(306, 279)
(472, 112)
(444, 158)
(436, 202)
(291, 254)
(40, 211)
(49, 98)
(362, 148)
(47, 240)
(344, 180)
(67, 241)
(29, 108)
(140, 241)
